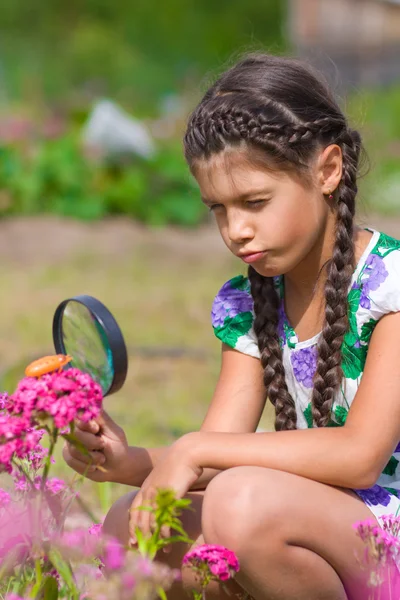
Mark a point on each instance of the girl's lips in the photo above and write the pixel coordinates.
(250, 258)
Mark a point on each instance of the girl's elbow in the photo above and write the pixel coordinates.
(367, 473)
(365, 480)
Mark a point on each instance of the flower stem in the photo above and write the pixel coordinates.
(53, 439)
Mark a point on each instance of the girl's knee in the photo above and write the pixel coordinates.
(117, 519)
(237, 502)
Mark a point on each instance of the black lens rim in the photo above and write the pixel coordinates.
(111, 328)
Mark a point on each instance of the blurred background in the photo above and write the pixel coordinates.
(95, 196)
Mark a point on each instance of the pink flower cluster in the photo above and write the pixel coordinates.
(17, 439)
(222, 563)
(382, 546)
(62, 396)
(382, 554)
(53, 484)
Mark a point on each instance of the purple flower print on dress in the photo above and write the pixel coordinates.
(397, 449)
(228, 303)
(304, 363)
(374, 495)
(374, 274)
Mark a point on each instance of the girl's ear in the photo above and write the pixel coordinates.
(329, 169)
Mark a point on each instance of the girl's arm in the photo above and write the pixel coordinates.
(236, 406)
(352, 456)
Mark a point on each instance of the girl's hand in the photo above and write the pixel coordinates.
(107, 445)
(176, 470)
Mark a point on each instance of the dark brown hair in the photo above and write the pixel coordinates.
(280, 107)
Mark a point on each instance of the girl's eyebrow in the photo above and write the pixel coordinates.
(241, 197)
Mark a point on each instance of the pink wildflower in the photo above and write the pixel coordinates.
(381, 548)
(55, 485)
(113, 556)
(221, 562)
(62, 396)
(3, 400)
(5, 498)
(17, 439)
(21, 484)
(96, 529)
(78, 544)
(128, 581)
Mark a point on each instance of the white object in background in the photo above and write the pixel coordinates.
(113, 131)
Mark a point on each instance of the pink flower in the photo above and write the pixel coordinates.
(221, 562)
(79, 542)
(96, 529)
(17, 439)
(381, 548)
(113, 555)
(5, 498)
(128, 581)
(62, 396)
(3, 400)
(55, 485)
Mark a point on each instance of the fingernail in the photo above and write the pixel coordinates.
(132, 540)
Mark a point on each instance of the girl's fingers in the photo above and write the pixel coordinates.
(95, 457)
(165, 531)
(133, 518)
(140, 518)
(90, 441)
(90, 426)
(81, 467)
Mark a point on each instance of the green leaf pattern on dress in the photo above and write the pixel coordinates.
(234, 328)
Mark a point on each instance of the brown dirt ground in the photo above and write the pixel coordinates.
(50, 240)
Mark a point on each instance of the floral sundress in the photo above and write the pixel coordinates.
(373, 292)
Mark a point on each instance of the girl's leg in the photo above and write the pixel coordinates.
(293, 536)
(116, 524)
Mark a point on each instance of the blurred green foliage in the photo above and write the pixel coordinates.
(54, 176)
(376, 113)
(134, 51)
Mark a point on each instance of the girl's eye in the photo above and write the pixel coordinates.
(213, 207)
(255, 203)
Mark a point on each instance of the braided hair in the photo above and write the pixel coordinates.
(280, 109)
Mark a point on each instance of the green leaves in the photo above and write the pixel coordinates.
(167, 512)
(64, 569)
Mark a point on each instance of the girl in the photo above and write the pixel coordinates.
(314, 327)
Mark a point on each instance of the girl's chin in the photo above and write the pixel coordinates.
(266, 271)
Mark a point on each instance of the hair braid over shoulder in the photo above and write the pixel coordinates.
(329, 371)
(266, 306)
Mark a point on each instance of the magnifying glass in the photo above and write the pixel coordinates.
(86, 330)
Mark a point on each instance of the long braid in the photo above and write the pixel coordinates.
(329, 371)
(266, 305)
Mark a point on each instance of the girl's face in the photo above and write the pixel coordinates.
(269, 219)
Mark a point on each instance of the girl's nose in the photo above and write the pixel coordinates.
(239, 230)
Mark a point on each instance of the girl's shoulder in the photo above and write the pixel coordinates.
(378, 281)
(232, 316)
